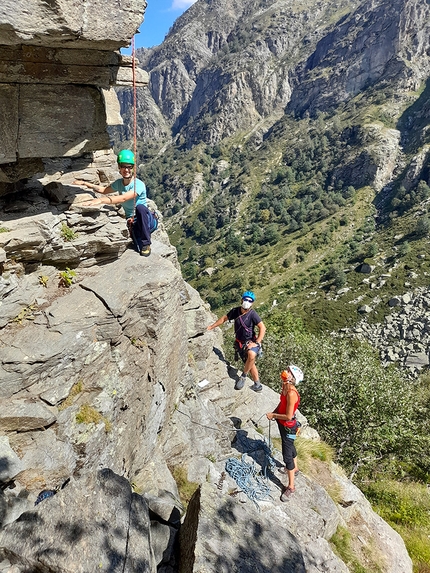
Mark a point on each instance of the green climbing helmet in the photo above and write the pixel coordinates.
(126, 156)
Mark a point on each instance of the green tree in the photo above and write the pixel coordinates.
(271, 234)
(348, 396)
(265, 216)
(423, 191)
(422, 227)
(404, 249)
(190, 271)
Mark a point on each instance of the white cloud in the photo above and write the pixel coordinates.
(181, 4)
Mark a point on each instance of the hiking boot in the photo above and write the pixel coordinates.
(145, 251)
(257, 387)
(240, 383)
(288, 492)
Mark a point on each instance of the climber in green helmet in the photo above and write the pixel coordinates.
(141, 222)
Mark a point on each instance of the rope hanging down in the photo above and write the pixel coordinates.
(133, 52)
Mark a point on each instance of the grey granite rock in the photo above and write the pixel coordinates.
(93, 523)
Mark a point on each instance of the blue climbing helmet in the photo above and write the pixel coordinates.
(248, 295)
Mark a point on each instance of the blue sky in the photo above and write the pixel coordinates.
(159, 17)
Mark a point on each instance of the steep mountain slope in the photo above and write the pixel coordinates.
(383, 43)
(230, 61)
(291, 135)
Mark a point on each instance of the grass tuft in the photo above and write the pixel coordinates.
(89, 415)
(67, 233)
(313, 449)
(406, 507)
(75, 391)
(186, 488)
(342, 544)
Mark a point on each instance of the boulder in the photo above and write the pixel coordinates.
(55, 62)
(241, 535)
(419, 360)
(24, 415)
(10, 464)
(94, 523)
(365, 309)
(365, 268)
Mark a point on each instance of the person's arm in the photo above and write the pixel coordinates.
(97, 188)
(218, 322)
(118, 199)
(108, 200)
(261, 332)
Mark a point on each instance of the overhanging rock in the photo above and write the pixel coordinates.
(58, 63)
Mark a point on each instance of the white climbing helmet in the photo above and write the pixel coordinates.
(296, 372)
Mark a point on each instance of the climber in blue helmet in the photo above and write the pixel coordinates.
(247, 343)
(131, 195)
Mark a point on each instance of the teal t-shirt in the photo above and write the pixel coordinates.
(128, 206)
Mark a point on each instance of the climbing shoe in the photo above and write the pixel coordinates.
(145, 251)
(287, 493)
(240, 383)
(257, 387)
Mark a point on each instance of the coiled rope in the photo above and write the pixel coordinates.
(253, 482)
(249, 479)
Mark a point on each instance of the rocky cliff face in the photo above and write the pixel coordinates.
(109, 382)
(112, 384)
(59, 62)
(379, 42)
(225, 67)
(234, 69)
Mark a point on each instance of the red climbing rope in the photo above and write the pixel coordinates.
(133, 51)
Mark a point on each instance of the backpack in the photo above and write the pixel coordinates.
(155, 219)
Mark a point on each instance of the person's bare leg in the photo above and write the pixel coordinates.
(254, 373)
(290, 474)
(249, 366)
